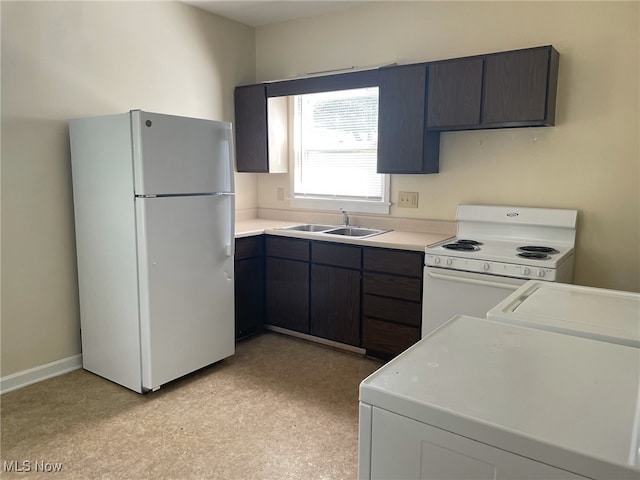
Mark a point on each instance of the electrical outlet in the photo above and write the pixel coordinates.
(408, 199)
(280, 193)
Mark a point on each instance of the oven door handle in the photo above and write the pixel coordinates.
(473, 281)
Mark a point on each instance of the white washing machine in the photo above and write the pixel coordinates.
(601, 314)
(483, 399)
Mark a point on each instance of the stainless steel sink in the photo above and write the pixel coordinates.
(355, 232)
(310, 227)
(345, 231)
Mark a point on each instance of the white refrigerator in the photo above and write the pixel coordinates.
(154, 217)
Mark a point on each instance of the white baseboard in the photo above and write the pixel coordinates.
(40, 373)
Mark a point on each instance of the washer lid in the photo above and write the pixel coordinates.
(566, 401)
(597, 313)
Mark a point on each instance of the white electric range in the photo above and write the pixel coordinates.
(496, 250)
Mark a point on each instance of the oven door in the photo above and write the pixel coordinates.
(452, 292)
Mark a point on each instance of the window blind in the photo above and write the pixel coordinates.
(336, 145)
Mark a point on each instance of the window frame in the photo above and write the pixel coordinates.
(324, 83)
(312, 202)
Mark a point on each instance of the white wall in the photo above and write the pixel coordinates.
(589, 161)
(69, 59)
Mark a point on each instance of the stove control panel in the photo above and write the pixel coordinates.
(491, 267)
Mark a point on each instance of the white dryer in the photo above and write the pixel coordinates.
(483, 399)
(597, 313)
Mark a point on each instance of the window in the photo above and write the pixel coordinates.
(335, 145)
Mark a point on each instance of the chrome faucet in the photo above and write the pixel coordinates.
(345, 217)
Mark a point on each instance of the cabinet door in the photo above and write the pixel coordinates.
(249, 295)
(335, 304)
(454, 94)
(287, 294)
(404, 145)
(251, 129)
(516, 86)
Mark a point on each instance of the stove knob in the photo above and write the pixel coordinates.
(526, 271)
(449, 261)
(541, 273)
(485, 266)
(436, 260)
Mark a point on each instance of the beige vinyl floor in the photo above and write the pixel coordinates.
(280, 408)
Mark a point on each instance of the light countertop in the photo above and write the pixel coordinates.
(393, 239)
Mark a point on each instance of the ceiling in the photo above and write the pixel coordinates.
(264, 12)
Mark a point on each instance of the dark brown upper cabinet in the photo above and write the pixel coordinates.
(520, 88)
(455, 93)
(404, 145)
(500, 90)
(261, 105)
(416, 102)
(251, 129)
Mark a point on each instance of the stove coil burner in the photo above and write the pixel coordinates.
(468, 242)
(463, 245)
(534, 255)
(537, 249)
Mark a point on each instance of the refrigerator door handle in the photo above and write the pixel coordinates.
(230, 247)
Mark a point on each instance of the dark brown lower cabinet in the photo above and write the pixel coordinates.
(249, 285)
(391, 300)
(335, 292)
(386, 339)
(287, 294)
(335, 304)
(249, 300)
(287, 282)
(362, 296)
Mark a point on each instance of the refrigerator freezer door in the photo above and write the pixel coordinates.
(186, 284)
(178, 155)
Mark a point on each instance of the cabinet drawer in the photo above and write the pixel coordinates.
(336, 255)
(393, 261)
(290, 248)
(399, 311)
(249, 247)
(387, 337)
(405, 288)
